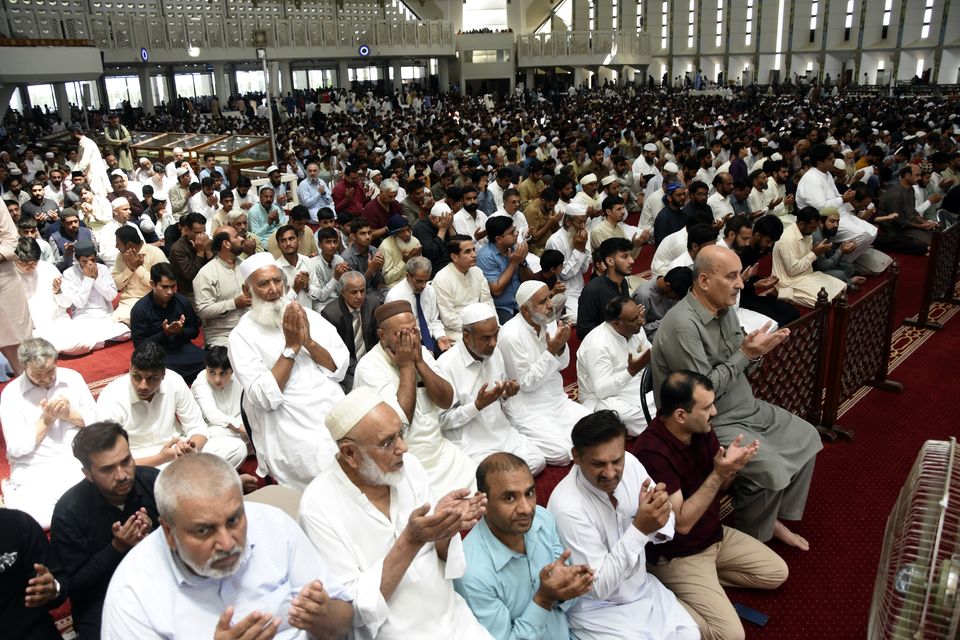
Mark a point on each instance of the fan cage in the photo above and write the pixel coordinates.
(915, 594)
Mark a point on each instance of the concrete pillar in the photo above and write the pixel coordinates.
(63, 103)
(101, 90)
(531, 78)
(6, 92)
(220, 87)
(443, 71)
(343, 75)
(579, 76)
(397, 79)
(146, 90)
(171, 86)
(581, 15)
(286, 79)
(273, 81)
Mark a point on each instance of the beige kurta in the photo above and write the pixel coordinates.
(793, 264)
(15, 323)
(133, 285)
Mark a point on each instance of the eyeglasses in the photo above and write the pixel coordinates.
(388, 444)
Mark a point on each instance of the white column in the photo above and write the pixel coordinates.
(286, 79)
(443, 71)
(343, 75)
(63, 103)
(146, 90)
(531, 78)
(220, 86)
(579, 76)
(273, 69)
(397, 80)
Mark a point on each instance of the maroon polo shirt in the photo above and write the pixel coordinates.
(377, 215)
(685, 467)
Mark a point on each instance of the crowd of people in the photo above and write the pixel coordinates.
(385, 339)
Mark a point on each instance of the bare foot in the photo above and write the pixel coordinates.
(251, 484)
(784, 535)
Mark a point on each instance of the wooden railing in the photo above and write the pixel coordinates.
(943, 272)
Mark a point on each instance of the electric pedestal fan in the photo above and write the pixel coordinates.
(916, 593)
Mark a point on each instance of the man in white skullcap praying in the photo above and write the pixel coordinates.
(481, 391)
(381, 530)
(534, 348)
(289, 361)
(573, 241)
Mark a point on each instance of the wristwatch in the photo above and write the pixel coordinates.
(289, 353)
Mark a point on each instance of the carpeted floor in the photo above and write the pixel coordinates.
(855, 484)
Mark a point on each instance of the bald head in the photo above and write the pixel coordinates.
(716, 277)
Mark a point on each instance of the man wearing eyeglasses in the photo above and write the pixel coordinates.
(375, 521)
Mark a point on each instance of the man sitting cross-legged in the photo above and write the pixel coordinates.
(608, 509)
(680, 449)
(514, 538)
(159, 414)
(375, 520)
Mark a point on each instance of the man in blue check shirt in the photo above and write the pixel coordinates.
(503, 263)
(518, 582)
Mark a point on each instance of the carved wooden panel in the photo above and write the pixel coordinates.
(867, 339)
(948, 251)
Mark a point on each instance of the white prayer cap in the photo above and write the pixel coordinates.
(272, 168)
(762, 140)
(375, 173)
(587, 179)
(527, 290)
(378, 149)
(650, 147)
(776, 157)
(254, 263)
(119, 202)
(177, 150)
(440, 209)
(541, 139)
(831, 142)
(48, 155)
(476, 312)
(350, 410)
(182, 171)
(575, 210)
(921, 134)
(671, 167)
(608, 180)
(839, 164)
(118, 172)
(145, 162)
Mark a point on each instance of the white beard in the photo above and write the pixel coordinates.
(372, 474)
(206, 570)
(268, 314)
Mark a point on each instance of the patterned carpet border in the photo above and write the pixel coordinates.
(905, 341)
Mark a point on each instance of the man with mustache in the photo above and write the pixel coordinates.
(290, 362)
(100, 519)
(534, 348)
(372, 517)
(232, 569)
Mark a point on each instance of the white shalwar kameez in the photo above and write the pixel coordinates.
(575, 264)
(220, 407)
(625, 601)
(541, 409)
(48, 310)
(41, 473)
(287, 425)
(94, 167)
(481, 432)
(817, 189)
(92, 300)
(603, 378)
(447, 465)
(353, 537)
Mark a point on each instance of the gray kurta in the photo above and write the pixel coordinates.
(691, 338)
(15, 323)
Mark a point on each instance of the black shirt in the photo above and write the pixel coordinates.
(593, 301)
(434, 249)
(146, 325)
(22, 543)
(81, 534)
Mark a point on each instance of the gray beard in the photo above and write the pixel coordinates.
(372, 474)
(268, 314)
(207, 570)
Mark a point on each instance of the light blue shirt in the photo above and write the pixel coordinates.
(260, 226)
(499, 584)
(310, 196)
(493, 264)
(151, 595)
(207, 173)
